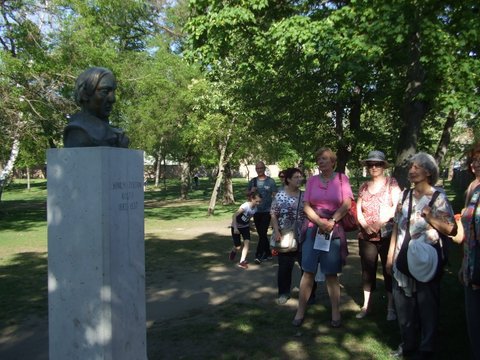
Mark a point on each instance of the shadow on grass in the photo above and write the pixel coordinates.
(22, 215)
(23, 287)
(231, 313)
(249, 325)
(22, 209)
(239, 330)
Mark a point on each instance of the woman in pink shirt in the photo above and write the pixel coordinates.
(327, 199)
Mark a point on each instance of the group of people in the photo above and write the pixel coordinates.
(395, 226)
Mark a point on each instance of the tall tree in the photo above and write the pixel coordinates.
(325, 67)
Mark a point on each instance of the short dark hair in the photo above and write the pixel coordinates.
(87, 82)
(289, 173)
(253, 194)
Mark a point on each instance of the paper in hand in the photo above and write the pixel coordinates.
(322, 241)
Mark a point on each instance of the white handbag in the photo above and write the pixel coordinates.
(288, 242)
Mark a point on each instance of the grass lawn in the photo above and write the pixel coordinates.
(234, 330)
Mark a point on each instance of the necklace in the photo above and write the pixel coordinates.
(325, 181)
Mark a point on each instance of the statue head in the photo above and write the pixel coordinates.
(95, 92)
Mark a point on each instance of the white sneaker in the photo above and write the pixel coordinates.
(391, 315)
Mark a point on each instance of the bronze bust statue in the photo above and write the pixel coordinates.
(95, 94)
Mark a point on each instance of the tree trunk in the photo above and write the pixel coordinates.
(414, 111)
(157, 168)
(10, 164)
(342, 148)
(228, 197)
(355, 109)
(28, 178)
(184, 180)
(164, 175)
(446, 137)
(222, 161)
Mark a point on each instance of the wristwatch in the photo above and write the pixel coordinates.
(333, 219)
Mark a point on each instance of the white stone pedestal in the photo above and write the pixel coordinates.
(96, 254)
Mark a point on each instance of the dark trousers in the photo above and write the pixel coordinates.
(472, 313)
(369, 252)
(262, 222)
(286, 262)
(418, 316)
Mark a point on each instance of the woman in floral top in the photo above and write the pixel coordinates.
(416, 302)
(469, 274)
(377, 201)
(287, 214)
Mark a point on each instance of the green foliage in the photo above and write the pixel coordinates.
(298, 67)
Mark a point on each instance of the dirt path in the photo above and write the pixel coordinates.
(179, 293)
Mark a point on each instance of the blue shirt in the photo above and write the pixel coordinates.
(266, 188)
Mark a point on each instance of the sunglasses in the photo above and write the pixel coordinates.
(374, 164)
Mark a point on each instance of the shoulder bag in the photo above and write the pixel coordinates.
(349, 221)
(402, 261)
(289, 242)
(440, 246)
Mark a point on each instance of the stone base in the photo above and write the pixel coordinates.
(96, 255)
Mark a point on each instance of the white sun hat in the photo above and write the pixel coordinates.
(422, 259)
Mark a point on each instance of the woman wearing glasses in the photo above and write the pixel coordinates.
(287, 214)
(377, 201)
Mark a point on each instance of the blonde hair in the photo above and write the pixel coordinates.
(327, 150)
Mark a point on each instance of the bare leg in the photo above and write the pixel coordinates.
(306, 284)
(246, 244)
(366, 299)
(333, 287)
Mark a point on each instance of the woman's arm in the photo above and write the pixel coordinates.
(441, 224)
(234, 220)
(460, 231)
(323, 224)
(395, 193)
(276, 227)
(343, 209)
(361, 218)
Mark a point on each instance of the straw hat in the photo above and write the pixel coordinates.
(422, 259)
